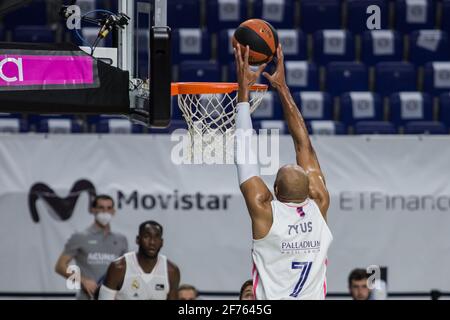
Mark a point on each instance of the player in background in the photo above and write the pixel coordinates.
(142, 275)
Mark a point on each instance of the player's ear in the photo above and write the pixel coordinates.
(137, 239)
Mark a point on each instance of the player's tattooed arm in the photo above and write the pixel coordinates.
(305, 153)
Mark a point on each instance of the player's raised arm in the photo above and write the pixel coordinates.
(305, 154)
(257, 195)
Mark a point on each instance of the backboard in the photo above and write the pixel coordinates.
(145, 51)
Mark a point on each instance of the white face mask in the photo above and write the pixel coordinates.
(103, 218)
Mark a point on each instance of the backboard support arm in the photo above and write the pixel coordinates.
(126, 39)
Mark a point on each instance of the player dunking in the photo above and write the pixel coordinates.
(142, 275)
(290, 234)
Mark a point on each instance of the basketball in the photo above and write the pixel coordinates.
(260, 36)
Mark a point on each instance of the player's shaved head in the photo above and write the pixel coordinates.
(291, 184)
(150, 224)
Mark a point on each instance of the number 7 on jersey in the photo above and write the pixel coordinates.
(304, 267)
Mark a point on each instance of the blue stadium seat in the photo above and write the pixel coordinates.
(395, 76)
(176, 112)
(294, 44)
(314, 105)
(357, 15)
(35, 120)
(94, 4)
(208, 71)
(280, 14)
(320, 14)
(381, 45)
(61, 125)
(375, 127)
(346, 76)
(93, 121)
(88, 6)
(118, 126)
(13, 125)
(333, 45)
(191, 44)
(410, 106)
(437, 77)
(225, 14)
(183, 14)
(429, 45)
(34, 14)
(413, 15)
(269, 109)
(360, 106)
(425, 127)
(444, 108)
(112, 5)
(446, 16)
(35, 34)
(301, 75)
(174, 125)
(326, 127)
(10, 115)
(225, 47)
(270, 125)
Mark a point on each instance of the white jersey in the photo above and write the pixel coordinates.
(290, 261)
(138, 285)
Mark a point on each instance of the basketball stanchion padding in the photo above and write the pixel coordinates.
(160, 73)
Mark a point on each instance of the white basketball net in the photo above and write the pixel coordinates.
(211, 120)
